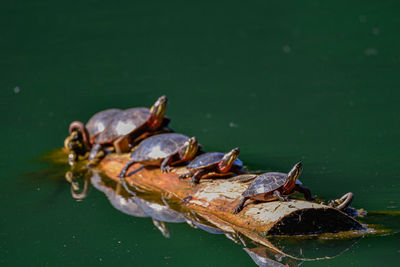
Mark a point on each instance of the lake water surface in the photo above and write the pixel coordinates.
(311, 81)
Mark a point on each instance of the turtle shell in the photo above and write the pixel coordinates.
(208, 159)
(125, 122)
(264, 183)
(98, 122)
(159, 147)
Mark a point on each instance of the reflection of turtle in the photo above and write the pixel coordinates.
(123, 129)
(274, 185)
(160, 214)
(163, 150)
(74, 177)
(133, 205)
(214, 162)
(123, 204)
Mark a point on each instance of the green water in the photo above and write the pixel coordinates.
(285, 81)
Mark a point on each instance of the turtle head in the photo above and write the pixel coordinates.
(228, 159)
(157, 112)
(189, 149)
(294, 173)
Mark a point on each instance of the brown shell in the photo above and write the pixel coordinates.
(208, 159)
(126, 122)
(99, 121)
(159, 147)
(266, 182)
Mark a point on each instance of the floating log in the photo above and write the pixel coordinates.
(215, 199)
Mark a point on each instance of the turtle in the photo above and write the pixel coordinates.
(220, 163)
(163, 150)
(95, 125)
(127, 128)
(82, 136)
(274, 185)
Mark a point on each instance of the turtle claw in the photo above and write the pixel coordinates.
(184, 176)
(166, 169)
(279, 196)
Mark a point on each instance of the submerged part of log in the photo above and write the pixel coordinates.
(215, 199)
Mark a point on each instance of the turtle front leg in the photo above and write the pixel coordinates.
(305, 191)
(197, 176)
(165, 165)
(96, 153)
(278, 195)
(125, 168)
(240, 206)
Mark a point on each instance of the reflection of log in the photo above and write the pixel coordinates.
(216, 199)
(279, 251)
(265, 257)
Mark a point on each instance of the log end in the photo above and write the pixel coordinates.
(314, 221)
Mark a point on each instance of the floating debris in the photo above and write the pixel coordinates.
(286, 49)
(371, 52)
